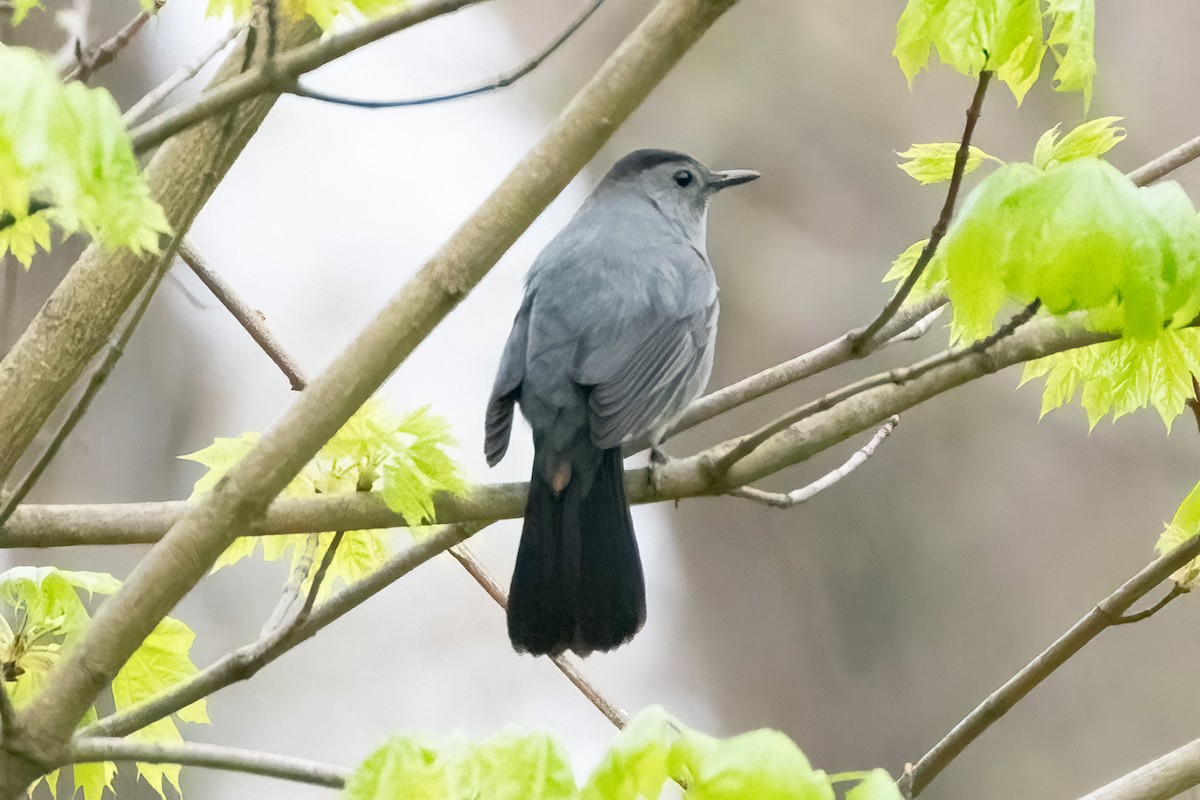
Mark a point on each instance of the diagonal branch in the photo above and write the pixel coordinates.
(943, 222)
(179, 77)
(1105, 614)
(750, 443)
(250, 319)
(1165, 777)
(1166, 163)
(104, 54)
(567, 664)
(246, 661)
(195, 754)
(502, 82)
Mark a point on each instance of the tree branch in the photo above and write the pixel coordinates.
(250, 319)
(104, 54)
(1166, 163)
(1163, 778)
(179, 77)
(748, 444)
(1105, 614)
(502, 82)
(142, 523)
(567, 664)
(246, 661)
(194, 754)
(806, 493)
(289, 64)
(943, 222)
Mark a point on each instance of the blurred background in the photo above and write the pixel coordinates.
(865, 623)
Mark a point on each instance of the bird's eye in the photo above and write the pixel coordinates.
(683, 177)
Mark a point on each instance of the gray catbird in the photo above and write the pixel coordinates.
(613, 339)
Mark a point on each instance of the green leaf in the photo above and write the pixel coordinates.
(1123, 375)
(1077, 237)
(515, 765)
(932, 279)
(969, 35)
(1183, 527)
(25, 235)
(762, 764)
(1089, 140)
(934, 163)
(402, 767)
(66, 146)
(23, 7)
(639, 761)
(93, 779)
(876, 785)
(1073, 43)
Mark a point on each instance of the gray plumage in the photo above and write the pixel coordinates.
(613, 339)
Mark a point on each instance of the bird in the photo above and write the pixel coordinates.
(612, 340)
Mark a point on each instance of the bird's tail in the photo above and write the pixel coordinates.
(578, 579)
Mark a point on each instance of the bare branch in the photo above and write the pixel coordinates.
(288, 64)
(943, 222)
(501, 82)
(246, 661)
(250, 319)
(1166, 163)
(1105, 614)
(278, 621)
(805, 493)
(567, 664)
(823, 358)
(315, 587)
(179, 77)
(1163, 778)
(231, 759)
(1126, 619)
(101, 56)
(750, 443)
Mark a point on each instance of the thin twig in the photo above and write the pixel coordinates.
(566, 663)
(503, 81)
(943, 222)
(289, 64)
(246, 661)
(10, 500)
(104, 54)
(805, 493)
(918, 330)
(315, 588)
(751, 442)
(85, 750)
(1176, 591)
(179, 77)
(1166, 163)
(1105, 614)
(249, 318)
(291, 589)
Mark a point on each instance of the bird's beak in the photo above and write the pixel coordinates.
(731, 177)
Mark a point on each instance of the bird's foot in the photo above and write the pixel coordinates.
(658, 460)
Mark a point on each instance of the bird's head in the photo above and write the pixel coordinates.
(678, 185)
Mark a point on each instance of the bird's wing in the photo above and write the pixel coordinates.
(666, 368)
(507, 387)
